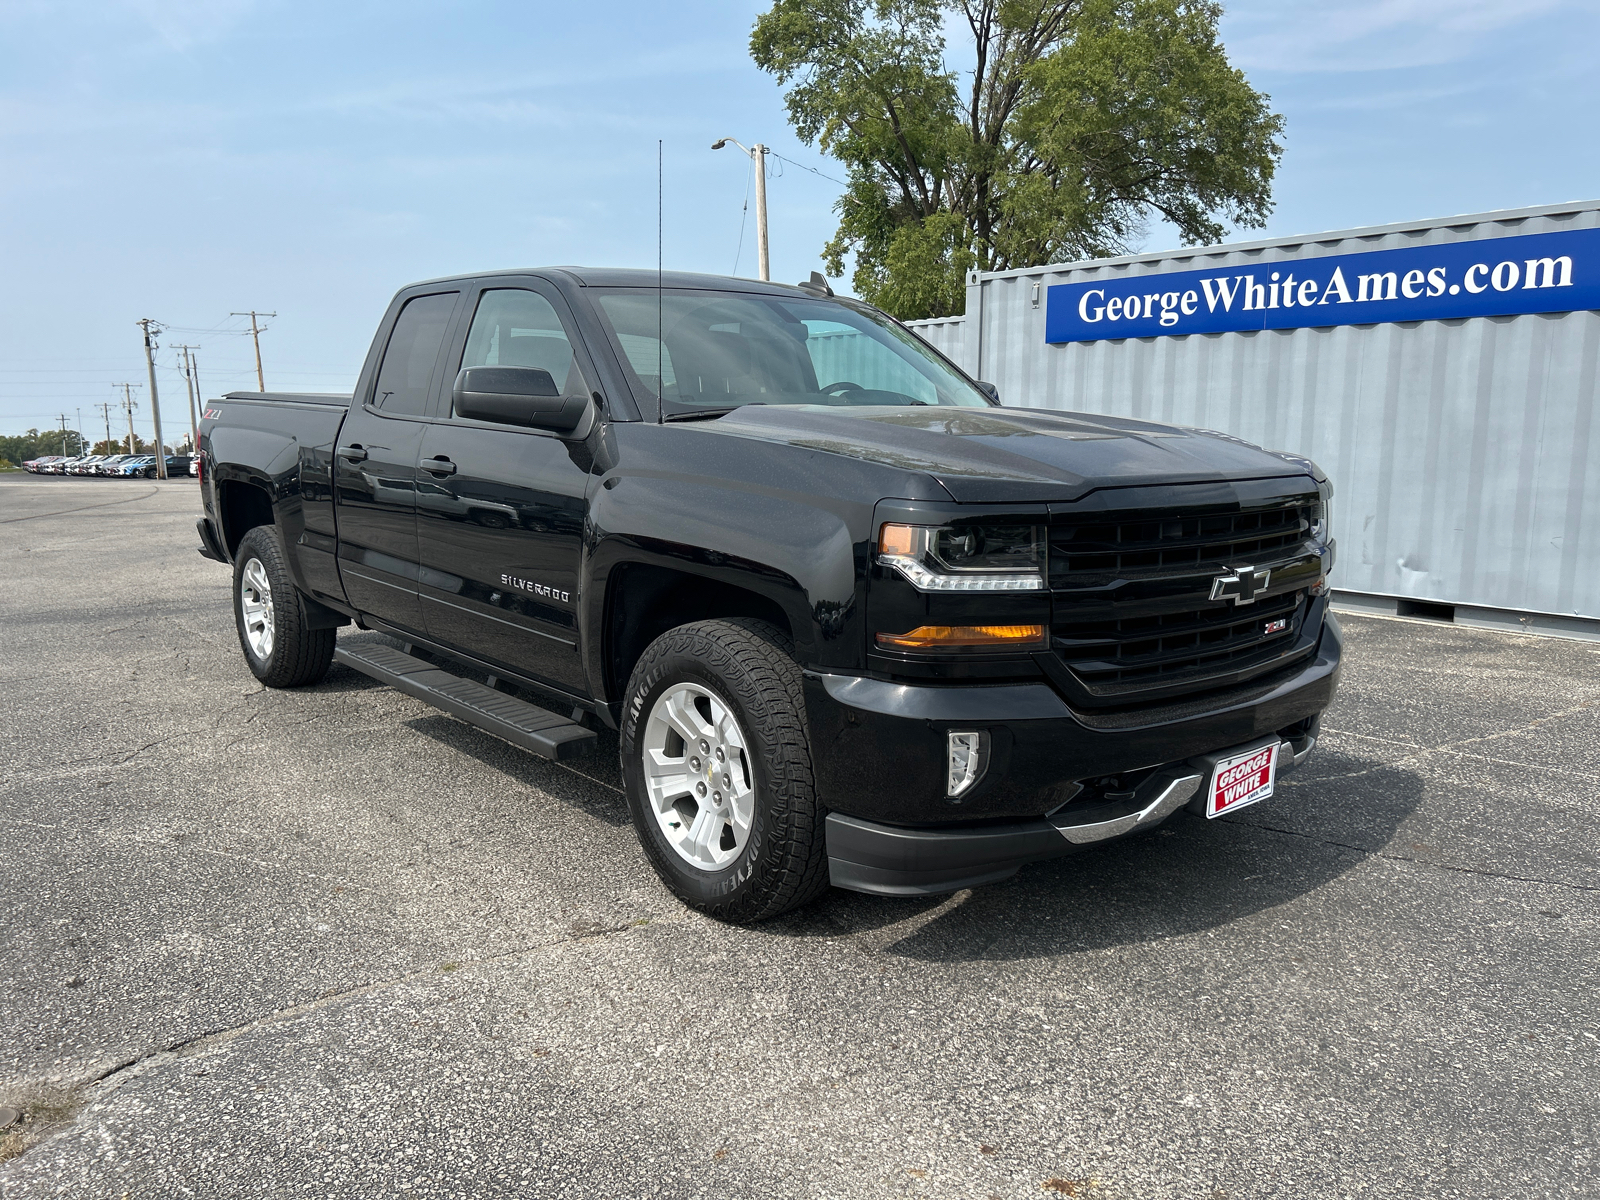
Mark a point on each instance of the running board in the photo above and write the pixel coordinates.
(522, 724)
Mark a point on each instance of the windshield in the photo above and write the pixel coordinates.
(720, 350)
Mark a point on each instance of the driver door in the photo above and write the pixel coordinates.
(500, 508)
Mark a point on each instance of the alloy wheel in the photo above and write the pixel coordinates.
(698, 777)
(255, 602)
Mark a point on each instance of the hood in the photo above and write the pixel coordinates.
(988, 455)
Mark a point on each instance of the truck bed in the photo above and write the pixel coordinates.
(329, 399)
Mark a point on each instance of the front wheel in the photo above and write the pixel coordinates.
(281, 651)
(716, 763)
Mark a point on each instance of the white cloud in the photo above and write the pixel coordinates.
(184, 24)
(1358, 35)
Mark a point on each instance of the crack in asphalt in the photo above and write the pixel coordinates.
(131, 755)
(107, 1081)
(1447, 747)
(1421, 862)
(67, 512)
(191, 1047)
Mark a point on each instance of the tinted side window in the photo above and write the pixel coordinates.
(514, 327)
(413, 348)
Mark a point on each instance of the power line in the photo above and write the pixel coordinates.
(743, 214)
(187, 329)
(803, 167)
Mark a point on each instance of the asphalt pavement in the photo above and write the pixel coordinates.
(333, 943)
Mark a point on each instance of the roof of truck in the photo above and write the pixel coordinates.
(639, 278)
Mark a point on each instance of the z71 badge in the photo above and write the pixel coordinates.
(537, 589)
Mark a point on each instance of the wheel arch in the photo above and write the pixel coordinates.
(242, 504)
(644, 600)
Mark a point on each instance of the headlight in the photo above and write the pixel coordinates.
(1322, 519)
(966, 558)
(967, 637)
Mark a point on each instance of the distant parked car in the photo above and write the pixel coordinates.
(86, 466)
(40, 464)
(109, 465)
(63, 466)
(134, 466)
(194, 465)
(177, 464)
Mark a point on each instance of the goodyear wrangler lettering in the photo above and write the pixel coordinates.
(1537, 273)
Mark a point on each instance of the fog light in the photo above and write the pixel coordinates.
(969, 756)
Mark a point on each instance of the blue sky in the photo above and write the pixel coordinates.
(184, 159)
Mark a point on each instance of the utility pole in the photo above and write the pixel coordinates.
(128, 405)
(82, 447)
(189, 384)
(105, 411)
(758, 155)
(151, 328)
(63, 435)
(255, 336)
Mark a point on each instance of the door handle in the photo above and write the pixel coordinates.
(438, 465)
(353, 453)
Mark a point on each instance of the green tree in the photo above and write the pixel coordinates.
(19, 448)
(1080, 120)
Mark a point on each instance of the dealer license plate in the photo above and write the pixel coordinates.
(1242, 780)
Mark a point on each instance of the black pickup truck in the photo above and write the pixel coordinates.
(853, 621)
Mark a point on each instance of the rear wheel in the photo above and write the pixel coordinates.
(717, 766)
(271, 615)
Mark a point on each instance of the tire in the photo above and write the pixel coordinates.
(149, 472)
(746, 669)
(271, 615)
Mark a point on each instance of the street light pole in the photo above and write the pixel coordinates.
(758, 155)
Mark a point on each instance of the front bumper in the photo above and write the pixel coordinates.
(887, 860)
(880, 755)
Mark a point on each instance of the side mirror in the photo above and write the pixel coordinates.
(988, 389)
(525, 396)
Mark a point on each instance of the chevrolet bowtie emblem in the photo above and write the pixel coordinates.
(1240, 585)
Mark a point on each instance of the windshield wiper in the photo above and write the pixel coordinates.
(705, 414)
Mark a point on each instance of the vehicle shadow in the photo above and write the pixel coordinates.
(598, 798)
(341, 678)
(1189, 876)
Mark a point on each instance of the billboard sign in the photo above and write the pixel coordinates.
(1537, 273)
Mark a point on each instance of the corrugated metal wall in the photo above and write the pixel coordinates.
(847, 354)
(944, 334)
(1463, 452)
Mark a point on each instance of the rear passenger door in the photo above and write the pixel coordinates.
(500, 508)
(375, 464)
